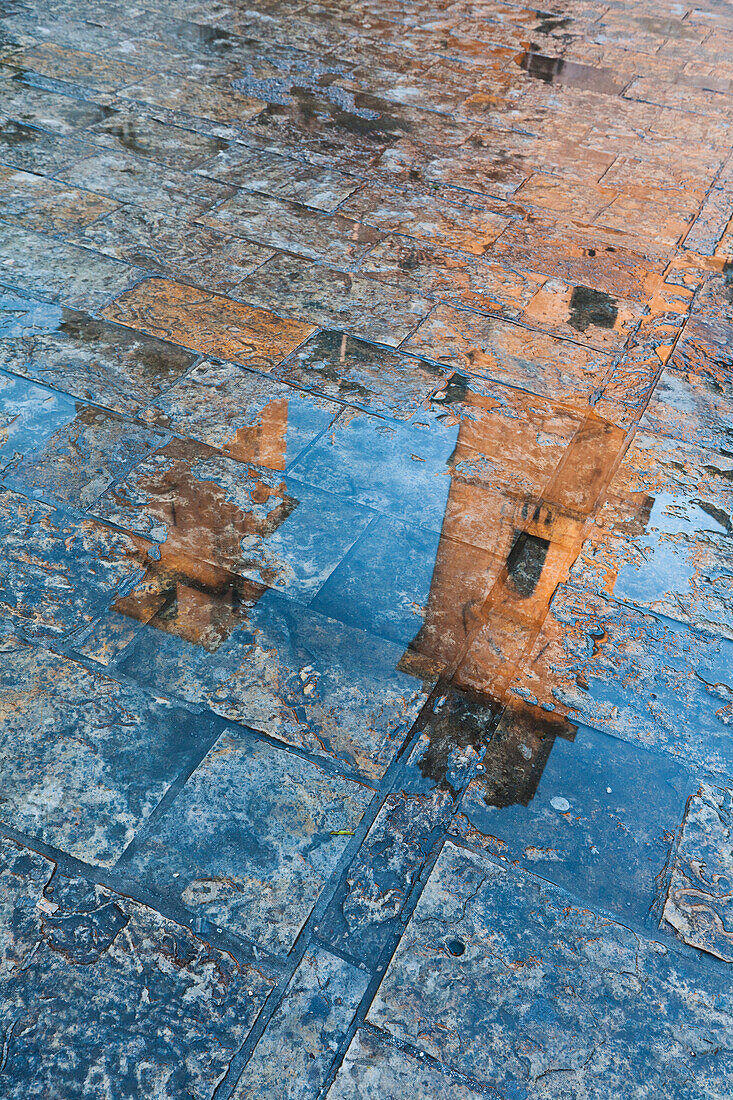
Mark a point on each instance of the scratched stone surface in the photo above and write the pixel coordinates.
(366, 439)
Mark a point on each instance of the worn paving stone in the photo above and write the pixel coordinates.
(208, 323)
(89, 359)
(302, 678)
(240, 518)
(248, 416)
(662, 539)
(170, 145)
(586, 811)
(468, 229)
(128, 178)
(72, 276)
(64, 452)
(292, 227)
(214, 99)
(376, 1069)
(173, 247)
(136, 1002)
(270, 174)
(38, 203)
(336, 299)
(375, 379)
(645, 679)
(251, 839)
(509, 353)
(698, 900)
(59, 573)
(563, 999)
(293, 1056)
(31, 150)
(86, 759)
(61, 114)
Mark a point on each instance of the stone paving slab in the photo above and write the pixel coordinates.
(565, 1002)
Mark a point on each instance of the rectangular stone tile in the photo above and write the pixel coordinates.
(588, 812)
(565, 197)
(32, 150)
(292, 227)
(336, 299)
(251, 840)
(647, 680)
(36, 263)
(552, 987)
(384, 382)
(470, 229)
(239, 518)
(663, 224)
(298, 677)
(375, 1069)
(89, 359)
(137, 1002)
(128, 178)
(452, 277)
(132, 132)
(64, 452)
(61, 114)
(214, 98)
(283, 178)
(208, 323)
(508, 353)
(59, 572)
(582, 256)
(78, 67)
(485, 167)
(249, 416)
(698, 901)
(172, 247)
(591, 317)
(85, 759)
(662, 539)
(293, 1056)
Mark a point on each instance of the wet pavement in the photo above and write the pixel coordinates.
(366, 557)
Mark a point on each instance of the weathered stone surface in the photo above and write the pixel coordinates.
(698, 904)
(375, 1069)
(291, 1059)
(563, 1001)
(132, 1004)
(86, 759)
(251, 839)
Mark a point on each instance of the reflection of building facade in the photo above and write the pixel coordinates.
(478, 630)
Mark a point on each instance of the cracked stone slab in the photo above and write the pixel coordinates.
(38, 203)
(302, 678)
(85, 759)
(251, 839)
(563, 1002)
(699, 903)
(376, 1069)
(103, 996)
(292, 1057)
